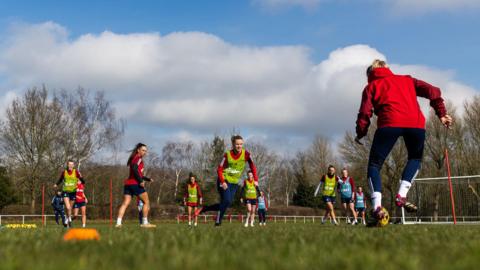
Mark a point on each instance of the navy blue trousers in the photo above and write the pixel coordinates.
(226, 198)
(383, 142)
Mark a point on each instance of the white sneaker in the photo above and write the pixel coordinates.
(195, 224)
(348, 221)
(335, 222)
(189, 223)
(323, 220)
(251, 224)
(246, 225)
(118, 226)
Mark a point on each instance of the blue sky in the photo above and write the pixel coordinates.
(438, 39)
(443, 39)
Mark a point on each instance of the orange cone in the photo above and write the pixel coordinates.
(81, 234)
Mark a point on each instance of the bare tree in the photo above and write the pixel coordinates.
(89, 125)
(265, 160)
(471, 145)
(40, 134)
(318, 156)
(32, 125)
(438, 138)
(178, 156)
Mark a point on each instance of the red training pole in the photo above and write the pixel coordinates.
(111, 203)
(451, 187)
(43, 204)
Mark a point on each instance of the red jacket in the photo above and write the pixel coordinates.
(136, 171)
(393, 98)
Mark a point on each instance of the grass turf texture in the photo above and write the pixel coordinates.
(276, 246)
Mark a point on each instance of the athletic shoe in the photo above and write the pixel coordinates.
(198, 211)
(348, 221)
(402, 202)
(335, 222)
(378, 217)
(195, 224)
(148, 225)
(323, 220)
(218, 224)
(251, 224)
(189, 223)
(246, 224)
(118, 226)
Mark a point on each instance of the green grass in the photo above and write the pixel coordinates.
(277, 246)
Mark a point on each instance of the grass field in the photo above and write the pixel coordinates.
(277, 246)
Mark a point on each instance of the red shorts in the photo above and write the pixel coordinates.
(192, 204)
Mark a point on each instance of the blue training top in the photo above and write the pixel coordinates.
(359, 200)
(261, 203)
(346, 188)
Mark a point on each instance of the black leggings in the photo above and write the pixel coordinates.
(262, 215)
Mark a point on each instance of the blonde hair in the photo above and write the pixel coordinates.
(377, 63)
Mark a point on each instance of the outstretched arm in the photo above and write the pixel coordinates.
(364, 114)
(252, 166)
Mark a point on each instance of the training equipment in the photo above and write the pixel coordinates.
(21, 226)
(148, 226)
(436, 200)
(81, 234)
(378, 218)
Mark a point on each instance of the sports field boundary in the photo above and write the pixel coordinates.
(272, 219)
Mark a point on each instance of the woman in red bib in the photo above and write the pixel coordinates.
(81, 202)
(135, 185)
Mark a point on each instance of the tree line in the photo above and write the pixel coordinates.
(43, 129)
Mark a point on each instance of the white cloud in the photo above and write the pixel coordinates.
(189, 83)
(5, 101)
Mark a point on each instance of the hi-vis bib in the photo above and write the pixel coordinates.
(250, 190)
(70, 181)
(346, 188)
(329, 186)
(359, 202)
(192, 194)
(235, 168)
